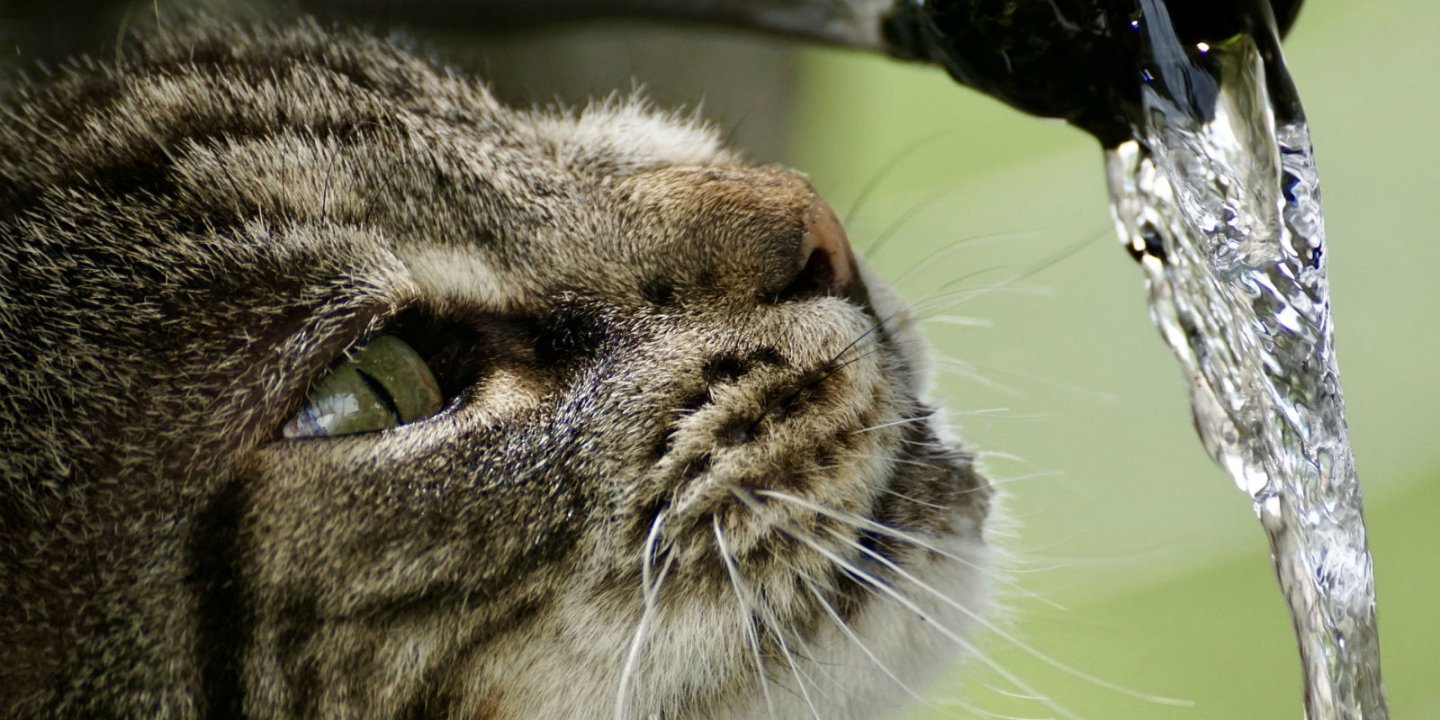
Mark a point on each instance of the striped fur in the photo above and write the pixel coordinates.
(190, 237)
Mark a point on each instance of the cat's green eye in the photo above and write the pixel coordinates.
(383, 384)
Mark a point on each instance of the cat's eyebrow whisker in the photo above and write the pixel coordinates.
(1044, 263)
(1011, 637)
(863, 523)
(748, 612)
(877, 584)
(650, 583)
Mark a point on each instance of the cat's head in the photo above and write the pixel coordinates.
(333, 387)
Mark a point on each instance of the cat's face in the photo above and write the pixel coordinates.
(680, 465)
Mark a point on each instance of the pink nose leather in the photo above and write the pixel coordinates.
(827, 264)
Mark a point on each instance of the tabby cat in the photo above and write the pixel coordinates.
(333, 388)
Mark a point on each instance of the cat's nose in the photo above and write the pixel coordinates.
(825, 264)
(751, 234)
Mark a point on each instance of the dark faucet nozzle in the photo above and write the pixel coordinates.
(1080, 60)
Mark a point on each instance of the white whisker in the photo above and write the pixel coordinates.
(1010, 637)
(887, 458)
(747, 601)
(650, 592)
(1012, 694)
(945, 300)
(893, 423)
(960, 320)
(974, 709)
(904, 218)
(775, 629)
(970, 371)
(845, 628)
(929, 260)
(880, 585)
(864, 523)
(883, 173)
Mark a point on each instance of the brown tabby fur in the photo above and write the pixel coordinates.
(191, 237)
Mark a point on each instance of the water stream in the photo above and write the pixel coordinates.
(1222, 211)
(1214, 191)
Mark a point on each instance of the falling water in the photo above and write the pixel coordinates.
(1222, 210)
(1214, 191)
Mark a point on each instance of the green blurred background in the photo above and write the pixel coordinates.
(1154, 555)
(1154, 572)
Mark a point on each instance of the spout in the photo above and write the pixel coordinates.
(1070, 59)
(1082, 60)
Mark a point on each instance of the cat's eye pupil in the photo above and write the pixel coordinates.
(383, 384)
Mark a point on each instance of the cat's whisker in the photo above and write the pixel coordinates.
(748, 612)
(1044, 263)
(794, 666)
(754, 505)
(883, 173)
(902, 461)
(1103, 397)
(904, 218)
(877, 584)
(902, 421)
(959, 280)
(772, 625)
(861, 522)
(978, 711)
(1013, 695)
(845, 628)
(931, 260)
(960, 320)
(867, 333)
(837, 368)
(1011, 637)
(650, 583)
(880, 323)
(948, 299)
(969, 371)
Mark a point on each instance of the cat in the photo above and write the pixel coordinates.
(334, 388)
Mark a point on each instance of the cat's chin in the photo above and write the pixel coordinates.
(898, 531)
(907, 590)
(853, 566)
